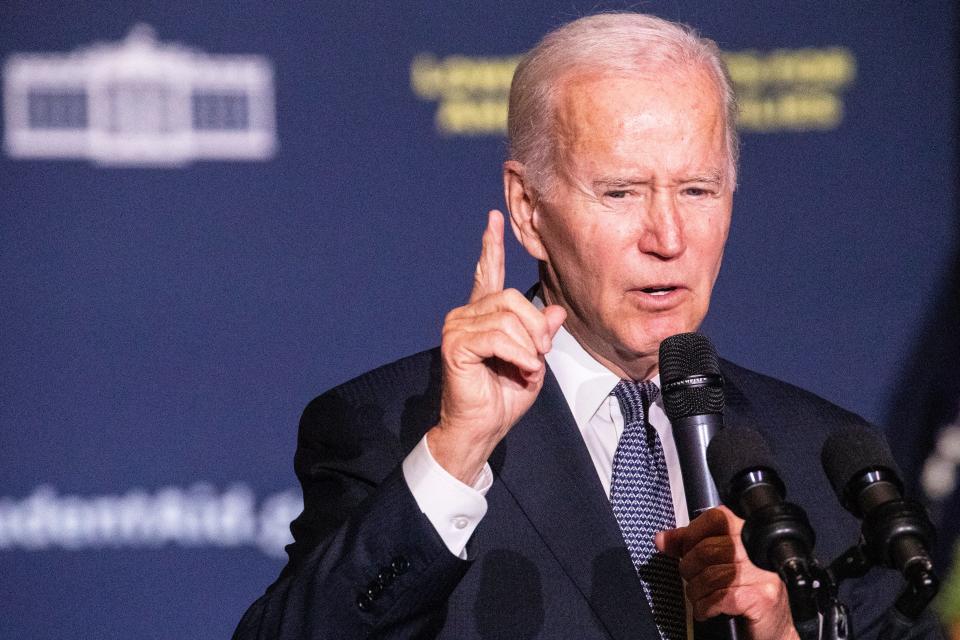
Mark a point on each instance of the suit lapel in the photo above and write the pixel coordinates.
(737, 409)
(544, 464)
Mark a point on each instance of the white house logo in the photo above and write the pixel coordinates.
(139, 102)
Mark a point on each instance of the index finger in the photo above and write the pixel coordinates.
(489, 275)
(717, 521)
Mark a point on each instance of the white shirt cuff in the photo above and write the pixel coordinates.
(453, 508)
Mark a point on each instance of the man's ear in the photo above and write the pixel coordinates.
(522, 203)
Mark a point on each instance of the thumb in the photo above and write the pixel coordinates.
(555, 315)
(671, 542)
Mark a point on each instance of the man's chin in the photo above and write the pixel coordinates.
(632, 348)
(645, 341)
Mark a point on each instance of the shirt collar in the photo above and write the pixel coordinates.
(586, 384)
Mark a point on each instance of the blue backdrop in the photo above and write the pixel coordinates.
(197, 239)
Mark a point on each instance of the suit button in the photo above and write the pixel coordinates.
(385, 577)
(399, 565)
(374, 589)
(364, 602)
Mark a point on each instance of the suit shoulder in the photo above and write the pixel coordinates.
(400, 398)
(411, 373)
(755, 388)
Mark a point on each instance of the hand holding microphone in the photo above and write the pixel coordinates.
(720, 577)
(776, 534)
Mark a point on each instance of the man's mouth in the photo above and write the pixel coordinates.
(658, 291)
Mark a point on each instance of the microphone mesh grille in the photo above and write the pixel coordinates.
(682, 356)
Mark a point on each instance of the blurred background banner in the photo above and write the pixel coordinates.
(212, 212)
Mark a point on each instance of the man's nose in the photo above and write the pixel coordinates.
(662, 233)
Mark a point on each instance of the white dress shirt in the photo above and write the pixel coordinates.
(455, 509)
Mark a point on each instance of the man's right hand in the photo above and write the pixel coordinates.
(493, 366)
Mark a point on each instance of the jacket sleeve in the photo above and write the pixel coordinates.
(365, 562)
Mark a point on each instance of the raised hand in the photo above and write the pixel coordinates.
(493, 367)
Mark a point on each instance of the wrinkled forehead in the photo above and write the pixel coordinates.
(595, 110)
(589, 98)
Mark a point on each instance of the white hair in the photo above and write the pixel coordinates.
(630, 43)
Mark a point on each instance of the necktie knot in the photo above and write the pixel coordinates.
(635, 399)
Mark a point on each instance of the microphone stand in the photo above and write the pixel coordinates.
(906, 522)
(922, 582)
(814, 592)
(815, 606)
(834, 617)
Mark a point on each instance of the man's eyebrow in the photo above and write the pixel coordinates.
(618, 182)
(715, 176)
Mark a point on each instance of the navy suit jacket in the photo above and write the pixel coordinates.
(547, 560)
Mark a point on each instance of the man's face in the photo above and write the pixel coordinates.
(634, 228)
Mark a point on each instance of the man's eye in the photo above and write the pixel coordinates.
(620, 193)
(697, 192)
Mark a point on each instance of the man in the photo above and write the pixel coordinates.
(479, 491)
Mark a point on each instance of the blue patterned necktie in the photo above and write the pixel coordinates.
(642, 503)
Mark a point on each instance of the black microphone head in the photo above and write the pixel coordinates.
(690, 379)
(851, 452)
(731, 452)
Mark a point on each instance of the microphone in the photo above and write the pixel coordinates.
(896, 532)
(692, 390)
(776, 534)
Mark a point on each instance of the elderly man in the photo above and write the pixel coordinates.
(515, 483)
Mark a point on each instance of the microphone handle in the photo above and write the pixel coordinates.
(721, 627)
(691, 436)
